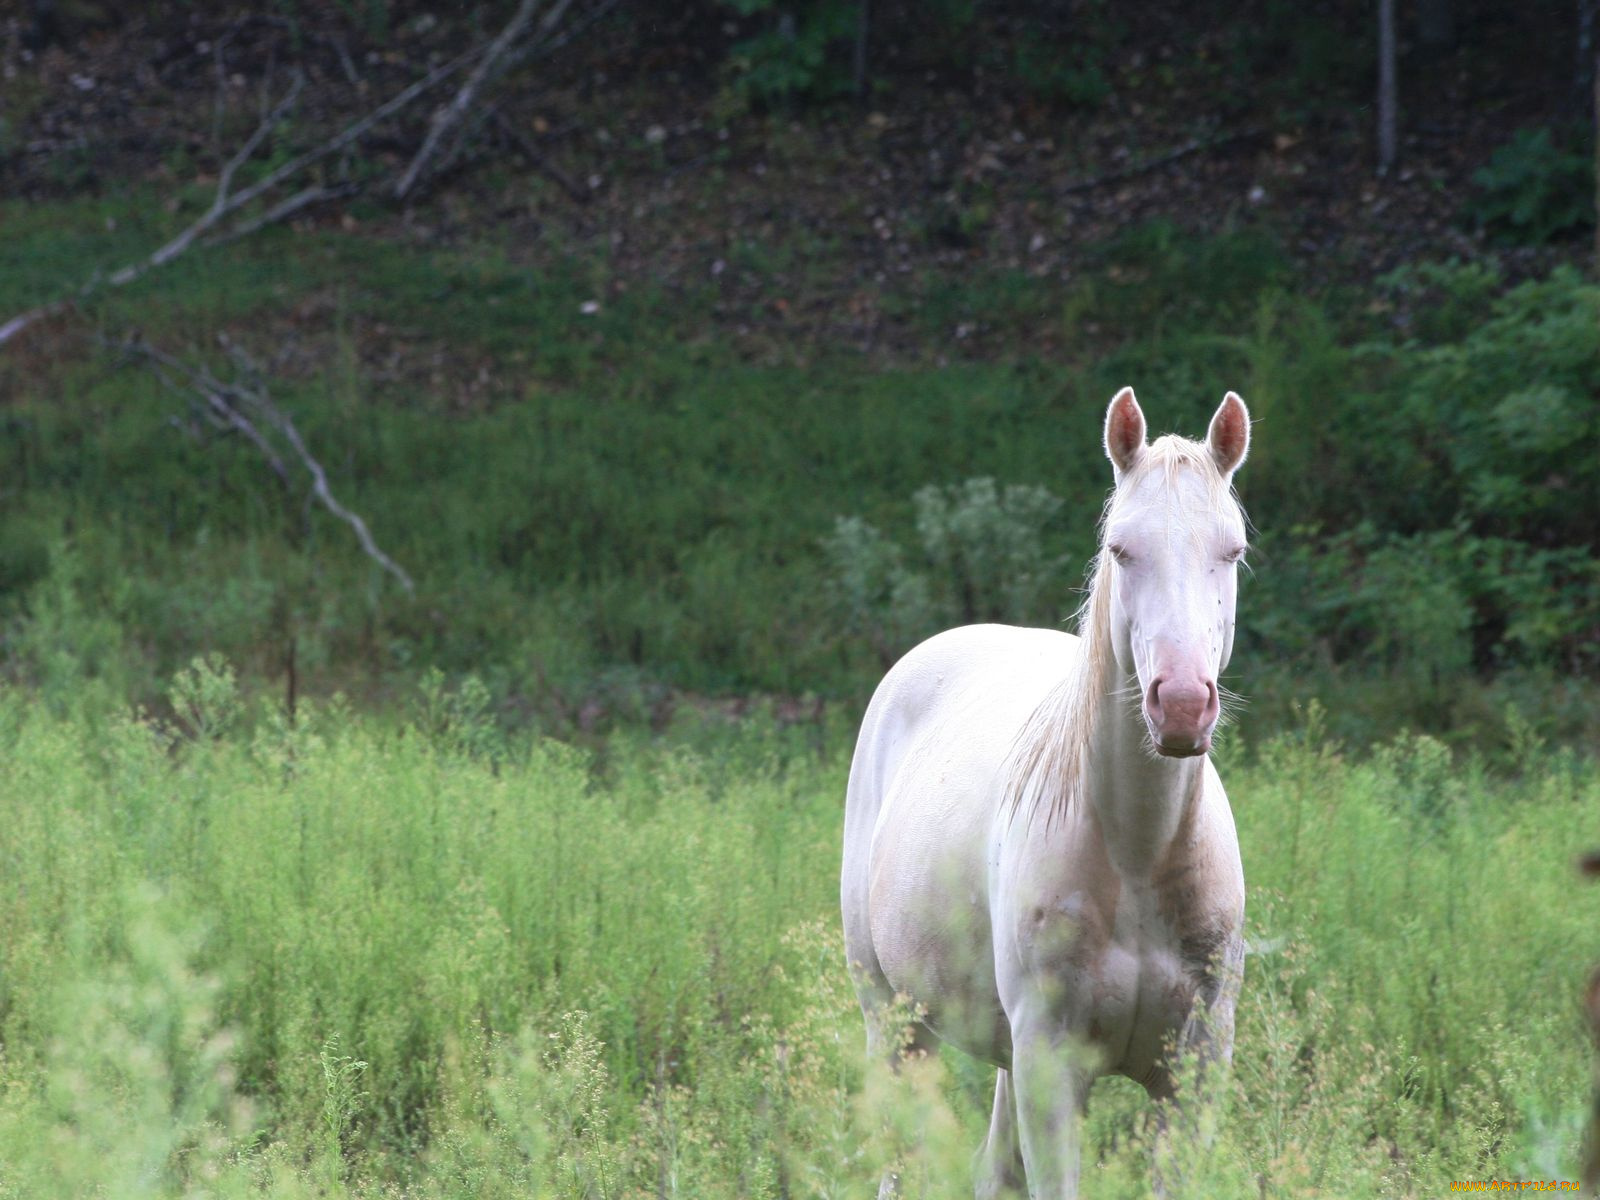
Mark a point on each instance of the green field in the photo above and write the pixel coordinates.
(525, 883)
(708, 373)
(607, 510)
(368, 956)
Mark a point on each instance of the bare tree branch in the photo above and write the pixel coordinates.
(449, 116)
(227, 202)
(225, 403)
(357, 128)
(501, 54)
(1193, 146)
(537, 159)
(545, 47)
(22, 320)
(283, 210)
(223, 203)
(219, 409)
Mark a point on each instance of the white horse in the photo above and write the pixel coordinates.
(1053, 876)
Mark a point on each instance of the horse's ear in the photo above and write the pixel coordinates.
(1124, 431)
(1228, 439)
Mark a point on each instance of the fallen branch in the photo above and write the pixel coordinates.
(537, 159)
(219, 407)
(22, 320)
(226, 404)
(574, 30)
(450, 115)
(283, 210)
(357, 128)
(1193, 146)
(224, 202)
(228, 202)
(209, 229)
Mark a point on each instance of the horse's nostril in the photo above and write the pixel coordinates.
(1152, 699)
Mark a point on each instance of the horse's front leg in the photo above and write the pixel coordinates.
(999, 1171)
(1050, 1082)
(1204, 1049)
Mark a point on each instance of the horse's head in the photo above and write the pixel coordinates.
(1174, 536)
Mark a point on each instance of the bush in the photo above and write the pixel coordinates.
(1432, 498)
(791, 58)
(1504, 420)
(1533, 190)
(983, 558)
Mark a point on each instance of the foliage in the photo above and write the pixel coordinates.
(791, 57)
(986, 544)
(1428, 494)
(1304, 54)
(983, 558)
(876, 594)
(1506, 413)
(800, 50)
(1533, 190)
(637, 511)
(401, 969)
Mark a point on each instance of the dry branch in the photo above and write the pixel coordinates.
(1193, 146)
(546, 46)
(231, 405)
(448, 117)
(210, 229)
(537, 159)
(219, 407)
(228, 202)
(283, 210)
(224, 202)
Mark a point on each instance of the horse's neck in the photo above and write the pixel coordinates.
(1139, 799)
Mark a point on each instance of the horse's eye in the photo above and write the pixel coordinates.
(1118, 551)
(1233, 556)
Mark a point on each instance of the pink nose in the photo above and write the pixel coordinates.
(1181, 711)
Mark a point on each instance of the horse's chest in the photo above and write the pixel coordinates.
(1125, 971)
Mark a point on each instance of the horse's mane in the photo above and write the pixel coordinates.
(1046, 768)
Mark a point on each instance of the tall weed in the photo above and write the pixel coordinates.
(358, 956)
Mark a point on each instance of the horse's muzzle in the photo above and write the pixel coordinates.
(1203, 746)
(1181, 713)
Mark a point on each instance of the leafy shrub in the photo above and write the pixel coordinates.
(1432, 499)
(983, 558)
(986, 547)
(1533, 190)
(791, 58)
(1504, 419)
(205, 696)
(24, 558)
(879, 597)
(1424, 608)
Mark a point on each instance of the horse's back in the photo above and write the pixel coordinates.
(928, 776)
(989, 678)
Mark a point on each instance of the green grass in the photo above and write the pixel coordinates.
(410, 956)
(587, 496)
